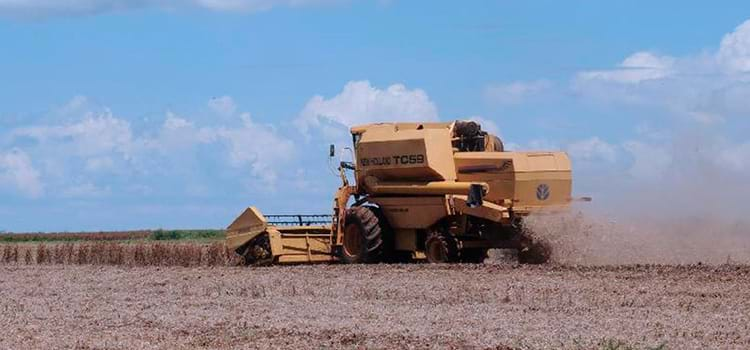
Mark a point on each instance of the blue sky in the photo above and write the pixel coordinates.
(120, 114)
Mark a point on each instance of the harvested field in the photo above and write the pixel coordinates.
(376, 306)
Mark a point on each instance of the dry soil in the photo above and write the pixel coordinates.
(381, 306)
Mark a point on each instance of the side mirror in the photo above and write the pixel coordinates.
(331, 151)
(476, 193)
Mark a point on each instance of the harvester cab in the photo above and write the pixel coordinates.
(444, 192)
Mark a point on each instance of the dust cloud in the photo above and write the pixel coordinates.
(696, 210)
(586, 239)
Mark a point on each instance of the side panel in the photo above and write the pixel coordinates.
(497, 169)
(392, 154)
(529, 179)
(543, 179)
(412, 212)
(301, 244)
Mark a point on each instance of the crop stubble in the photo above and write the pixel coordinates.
(375, 306)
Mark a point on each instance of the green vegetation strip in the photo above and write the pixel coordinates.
(171, 235)
(157, 235)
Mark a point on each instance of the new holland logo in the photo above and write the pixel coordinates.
(542, 192)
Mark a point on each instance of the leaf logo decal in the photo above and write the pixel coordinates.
(542, 192)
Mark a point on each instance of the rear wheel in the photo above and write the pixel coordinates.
(363, 235)
(441, 248)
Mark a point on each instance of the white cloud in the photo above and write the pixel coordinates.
(361, 103)
(258, 146)
(704, 116)
(593, 149)
(531, 145)
(249, 144)
(708, 87)
(86, 190)
(736, 157)
(98, 164)
(223, 105)
(636, 68)
(178, 134)
(252, 5)
(41, 8)
(17, 171)
(95, 148)
(734, 52)
(95, 134)
(515, 92)
(74, 104)
(63, 7)
(174, 122)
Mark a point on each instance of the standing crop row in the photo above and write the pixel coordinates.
(109, 253)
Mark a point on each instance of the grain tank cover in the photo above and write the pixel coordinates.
(404, 152)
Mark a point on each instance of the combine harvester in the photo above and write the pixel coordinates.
(445, 192)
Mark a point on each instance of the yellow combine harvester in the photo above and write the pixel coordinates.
(446, 192)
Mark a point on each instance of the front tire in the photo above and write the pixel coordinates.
(363, 236)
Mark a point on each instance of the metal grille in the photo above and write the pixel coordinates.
(299, 220)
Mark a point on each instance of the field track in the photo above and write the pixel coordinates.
(382, 306)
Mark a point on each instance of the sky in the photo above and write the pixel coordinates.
(129, 114)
